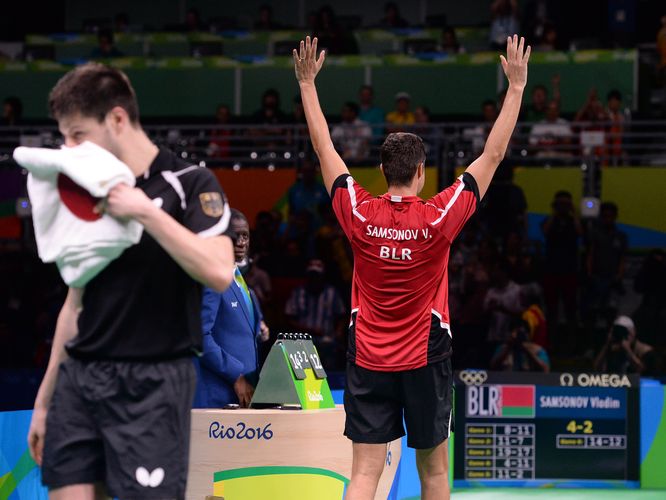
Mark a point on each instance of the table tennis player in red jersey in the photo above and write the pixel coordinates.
(399, 336)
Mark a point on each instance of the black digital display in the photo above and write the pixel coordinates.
(529, 429)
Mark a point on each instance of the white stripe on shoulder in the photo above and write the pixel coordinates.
(453, 199)
(220, 226)
(186, 170)
(173, 180)
(352, 198)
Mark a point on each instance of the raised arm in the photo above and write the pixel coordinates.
(515, 69)
(307, 66)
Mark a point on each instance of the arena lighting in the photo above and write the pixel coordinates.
(236, 167)
(271, 167)
(202, 163)
(183, 154)
(287, 155)
(253, 155)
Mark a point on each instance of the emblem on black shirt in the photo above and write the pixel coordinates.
(211, 204)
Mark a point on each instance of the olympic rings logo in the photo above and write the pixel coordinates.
(473, 377)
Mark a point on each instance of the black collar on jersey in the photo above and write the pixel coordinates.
(165, 160)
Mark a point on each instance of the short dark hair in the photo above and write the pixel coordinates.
(539, 86)
(237, 215)
(92, 90)
(614, 94)
(489, 102)
(401, 155)
(16, 105)
(563, 194)
(352, 106)
(608, 206)
(367, 87)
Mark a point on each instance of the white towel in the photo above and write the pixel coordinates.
(80, 248)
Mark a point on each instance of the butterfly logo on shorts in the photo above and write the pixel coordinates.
(234, 304)
(149, 479)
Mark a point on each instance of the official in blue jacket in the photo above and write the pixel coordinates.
(232, 326)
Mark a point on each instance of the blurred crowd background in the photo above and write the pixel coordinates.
(552, 273)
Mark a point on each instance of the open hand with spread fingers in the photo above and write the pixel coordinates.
(306, 63)
(515, 62)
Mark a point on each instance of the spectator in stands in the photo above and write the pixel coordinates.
(369, 113)
(449, 43)
(536, 16)
(538, 107)
(624, 353)
(308, 193)
(193, 21)
(316, 308)
(12, 111)
(549, 41)
(661, 49)
(533, 314)
(265, 21)
(422, 128)
(352, 136)
(392, 18)
(502, 303)
(562, 230)
(121, 23)
(401, 115)
(505, 205)
(518, 353)
(552, 137)
(504, 14)
(617, 119)
(593, 127)
(592, 110)
(478, 134)
(298, 113)
(651, 283)
(332, 36)
(270, 112)
(299, 137)
(334, 249)
(106, 48)
(607, 247)
(268, 139)
(258, 280)
(220, 139)
(265, 236)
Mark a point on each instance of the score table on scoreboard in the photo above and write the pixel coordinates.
(535, 429)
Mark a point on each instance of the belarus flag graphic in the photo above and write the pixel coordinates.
(517, 400)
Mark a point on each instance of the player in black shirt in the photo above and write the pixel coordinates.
(114, 406)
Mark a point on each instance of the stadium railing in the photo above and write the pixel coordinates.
(449, 145)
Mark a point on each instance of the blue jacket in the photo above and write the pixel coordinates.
(229, 346)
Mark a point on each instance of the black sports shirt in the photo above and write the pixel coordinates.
(144, 306)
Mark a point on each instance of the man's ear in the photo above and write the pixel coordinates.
(381, 168)
(421, 171)
(118, 119)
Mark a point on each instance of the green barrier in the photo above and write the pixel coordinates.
(173, 86)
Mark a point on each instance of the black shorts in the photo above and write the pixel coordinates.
(375, 403)
(123, 424)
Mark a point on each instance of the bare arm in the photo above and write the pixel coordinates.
(307, 66)
(66, 329)
(209, 261)
(515, 68)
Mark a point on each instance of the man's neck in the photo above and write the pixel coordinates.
(403, 190)
(139, 152)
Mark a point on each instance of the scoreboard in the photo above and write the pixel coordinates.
(531, 429)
